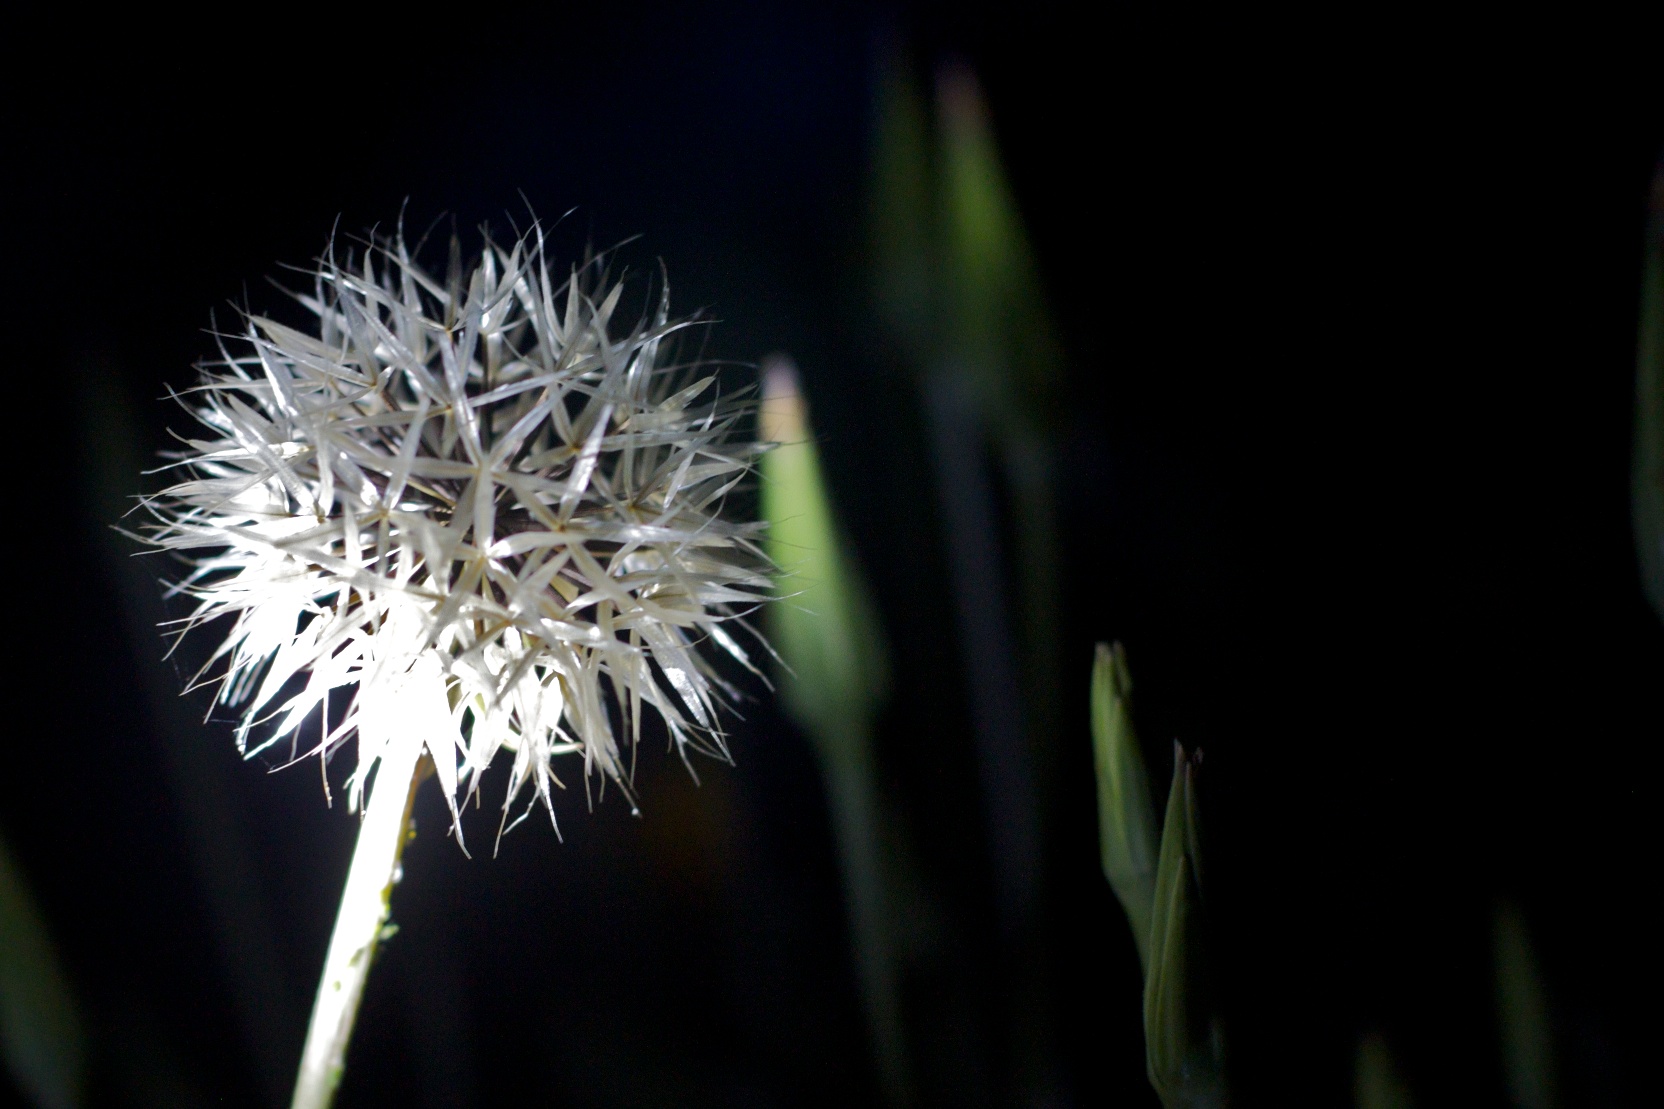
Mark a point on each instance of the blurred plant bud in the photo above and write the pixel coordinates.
(999, 329)
(1184, 1048)
(1127, 837)
(825, 629)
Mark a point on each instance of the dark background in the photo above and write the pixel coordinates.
(1349, 350)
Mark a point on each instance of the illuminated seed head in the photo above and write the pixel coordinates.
(478, 512)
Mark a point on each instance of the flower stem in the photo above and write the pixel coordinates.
(358, 925)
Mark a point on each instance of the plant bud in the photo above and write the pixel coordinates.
(1183, 1042)
(1126, 819)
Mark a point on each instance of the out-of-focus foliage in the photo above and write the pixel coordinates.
(40, 1031)
(1127, 836)
(825, 630)
(1183, 1042)
(998, 327)
(902, 248)
(1525, 1029)
(1647, 480)
(954, 275)
(827, 635)
(957, 292)
(1377, 1083)
(998, 336)
(956, 287)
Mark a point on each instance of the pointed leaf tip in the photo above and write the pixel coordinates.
(1126, 818)
(1183, 1039)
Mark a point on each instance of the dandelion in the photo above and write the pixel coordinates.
(484, 517)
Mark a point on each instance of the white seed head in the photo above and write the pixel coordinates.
(478, 507)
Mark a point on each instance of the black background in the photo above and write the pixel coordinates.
(1350, 348)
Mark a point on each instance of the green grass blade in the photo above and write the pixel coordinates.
(1183, 1043)
(1127, 836)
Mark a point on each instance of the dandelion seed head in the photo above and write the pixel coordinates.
(482, 512)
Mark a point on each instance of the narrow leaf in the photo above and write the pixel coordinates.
(1126, 819)
(1183, 1042)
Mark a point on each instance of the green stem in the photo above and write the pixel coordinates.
(358, 925)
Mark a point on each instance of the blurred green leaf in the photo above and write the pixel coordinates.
(999, 340)
(1183, 1043)
(1647, 480)
(40, 1033)
(899, 217)
(998, 328)
(1526, 1031)
(1377, 1083)
(958, 290)
(1126, 819)
(824, 629)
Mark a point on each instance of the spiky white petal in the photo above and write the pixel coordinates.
(476, 509)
